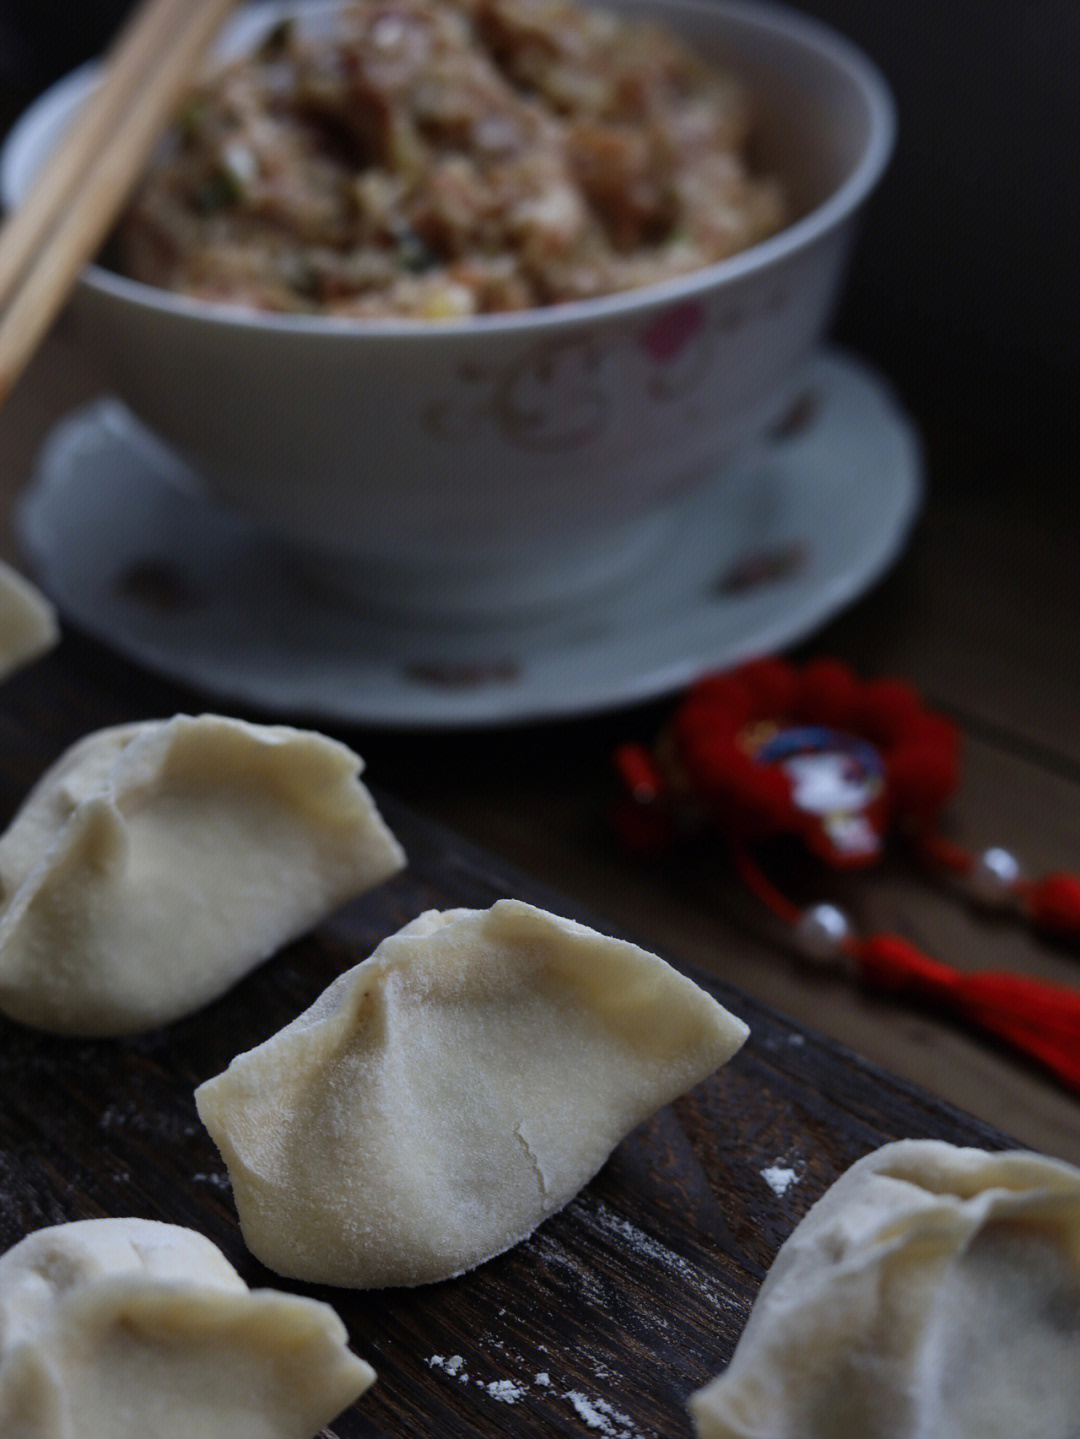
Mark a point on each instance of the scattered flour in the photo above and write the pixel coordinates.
(780, 1177)
(552, 1253)
(126, 1114)
(454, 1366)
(216, 1181)
(598, 1414)
(113, 1116)
(777, 1041)
(606, 1219)
(506, 1391)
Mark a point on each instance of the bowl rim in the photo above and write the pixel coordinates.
(807, 31)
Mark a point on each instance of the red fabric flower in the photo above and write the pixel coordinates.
(731, 753)
(770, 749)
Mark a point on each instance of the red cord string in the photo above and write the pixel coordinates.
(1051, 903)
(945, 853)
(759, 885)
(1040, 1019)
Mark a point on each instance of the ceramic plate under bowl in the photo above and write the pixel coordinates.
(127, 547)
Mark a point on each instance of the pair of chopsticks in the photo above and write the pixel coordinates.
(80, 191)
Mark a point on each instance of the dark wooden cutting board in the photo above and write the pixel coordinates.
(600, 1324)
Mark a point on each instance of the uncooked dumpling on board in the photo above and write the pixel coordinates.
(129, 1328)
(28, 624)
(932, 1293)
(156, 863)
(446, 1095)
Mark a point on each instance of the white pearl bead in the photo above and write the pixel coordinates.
(820, 931)
(992, 877)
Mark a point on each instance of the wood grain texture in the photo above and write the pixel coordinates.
(607, 1317)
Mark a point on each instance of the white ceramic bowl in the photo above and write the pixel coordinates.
(469, 467)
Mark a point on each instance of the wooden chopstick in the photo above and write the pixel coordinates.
(125, 68)
(77, 197)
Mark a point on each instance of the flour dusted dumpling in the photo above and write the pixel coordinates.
(156, 863)
(133, 1329)
(28, 625)
(452, 1091)
(932, 1293)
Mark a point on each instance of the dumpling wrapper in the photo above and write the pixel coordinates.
(932, 1293)
(448, 1094)
(127, 1328)
(28, 623)
(156, 863)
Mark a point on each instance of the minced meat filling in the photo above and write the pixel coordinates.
(442, 158)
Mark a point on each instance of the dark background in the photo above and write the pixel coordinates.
(963, 288)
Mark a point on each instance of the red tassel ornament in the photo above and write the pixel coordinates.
(1041, 1019)
(769, 749)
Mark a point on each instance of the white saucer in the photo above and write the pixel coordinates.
(123, 542)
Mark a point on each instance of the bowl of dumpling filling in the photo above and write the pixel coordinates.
(464, 298)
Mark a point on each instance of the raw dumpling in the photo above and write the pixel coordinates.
(156, 863)
(28, 624)
(445, 1096)
(932, 1293)
(127, 1329)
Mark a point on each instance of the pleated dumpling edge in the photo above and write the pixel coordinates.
(156, 863)
(932, 1290)
(124, 1327)
(448, 1094)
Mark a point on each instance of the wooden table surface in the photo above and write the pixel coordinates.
(980, 613)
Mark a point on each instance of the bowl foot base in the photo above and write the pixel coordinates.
(531, 582)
